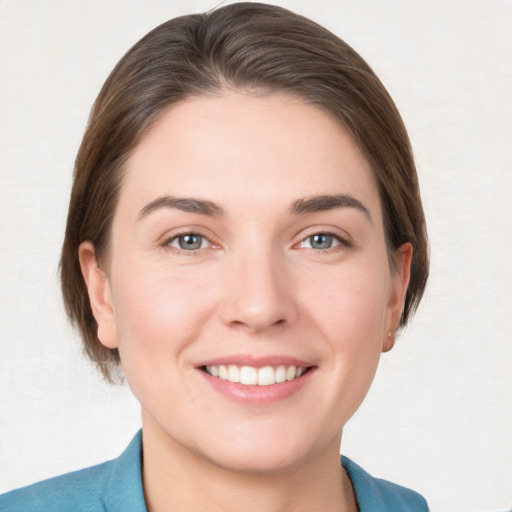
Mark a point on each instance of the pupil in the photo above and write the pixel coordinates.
(190, 242)
(321, 241)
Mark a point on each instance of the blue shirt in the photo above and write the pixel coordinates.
(116, 486)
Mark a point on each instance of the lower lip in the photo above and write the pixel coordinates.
(258, 394)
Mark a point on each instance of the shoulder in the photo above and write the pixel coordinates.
(79, 490)
(376, 495)
(113, 486)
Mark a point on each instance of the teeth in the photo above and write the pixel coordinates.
(266, 376)
(281, 374)
(291, 371)
(233, 373)
(250, 376)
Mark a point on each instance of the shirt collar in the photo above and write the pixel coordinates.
(123, 490)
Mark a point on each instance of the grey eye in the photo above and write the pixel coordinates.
(321, 241)
(188, 242)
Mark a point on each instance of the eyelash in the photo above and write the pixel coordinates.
(338, 243)
(180, 250)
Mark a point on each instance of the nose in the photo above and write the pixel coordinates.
(258, 293)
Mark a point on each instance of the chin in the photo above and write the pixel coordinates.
(263, 461)
(264, 451)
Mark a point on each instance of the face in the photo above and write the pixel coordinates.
(247, 246)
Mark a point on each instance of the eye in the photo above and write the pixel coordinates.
(188, 242)
(321, 241)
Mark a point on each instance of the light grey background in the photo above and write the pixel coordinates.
(439, 416)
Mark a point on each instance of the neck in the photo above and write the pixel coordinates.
(175, 478)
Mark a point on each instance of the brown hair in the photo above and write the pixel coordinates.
(248, 46)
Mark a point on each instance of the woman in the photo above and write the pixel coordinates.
(245, 237)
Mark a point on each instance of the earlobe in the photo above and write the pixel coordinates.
(100, 297)
(400, 282)
(389, 342)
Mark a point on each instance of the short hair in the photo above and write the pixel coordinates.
(248, 46)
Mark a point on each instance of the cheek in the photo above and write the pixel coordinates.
(159, 311)
(351, 302)
(158, 315)
(351, 309)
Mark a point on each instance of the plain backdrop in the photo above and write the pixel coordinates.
(438, 417)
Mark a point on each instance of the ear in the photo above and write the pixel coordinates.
(400, 282)
(100, 297)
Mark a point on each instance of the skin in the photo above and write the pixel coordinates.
(257, 286)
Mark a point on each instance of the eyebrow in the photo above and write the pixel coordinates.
(185, 204)
(328, 202)
(301, 206)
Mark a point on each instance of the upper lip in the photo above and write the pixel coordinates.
(255, 361)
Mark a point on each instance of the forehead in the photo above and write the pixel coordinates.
(247, 149)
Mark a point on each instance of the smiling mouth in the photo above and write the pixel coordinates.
(251, 376)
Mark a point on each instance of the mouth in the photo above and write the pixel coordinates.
(252, 376)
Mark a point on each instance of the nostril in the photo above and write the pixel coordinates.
(256, 325)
